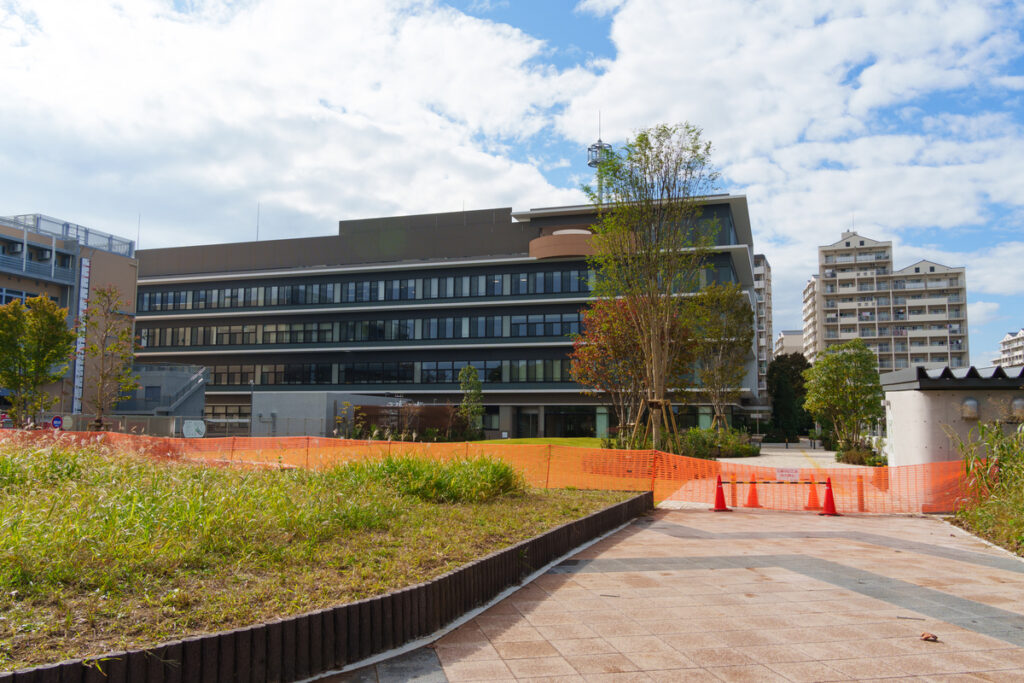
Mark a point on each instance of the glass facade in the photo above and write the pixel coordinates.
(572, 281)
(351, 331)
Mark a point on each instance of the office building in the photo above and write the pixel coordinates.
(397, 306)
(914, 316)
(1011, 349)
(44, 256)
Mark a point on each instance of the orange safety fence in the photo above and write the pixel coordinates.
(933, 487)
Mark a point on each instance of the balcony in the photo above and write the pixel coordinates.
(15, 265)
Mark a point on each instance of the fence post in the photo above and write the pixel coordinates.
(307, 448)
(732, 489)
(547, 476)
(654, 469)
(860, 494)
(231, 456)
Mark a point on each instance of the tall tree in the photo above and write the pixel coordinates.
(787, 390)
(723, 337)
(471, 409)
(604, 359)
(843, 389)
(110, 350)
(36, 345)
(651, 243)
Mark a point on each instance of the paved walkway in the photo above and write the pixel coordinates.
(797, 455)
(750, 595)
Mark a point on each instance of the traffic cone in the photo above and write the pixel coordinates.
(830, 502)
(752, 495)
(812, 496)
(720, 498)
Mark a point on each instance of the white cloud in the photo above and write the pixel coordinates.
(982, 312)
(341, 110)
(599, 7)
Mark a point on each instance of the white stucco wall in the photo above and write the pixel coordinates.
(916, 421)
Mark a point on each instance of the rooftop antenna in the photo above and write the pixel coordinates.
(596, 153)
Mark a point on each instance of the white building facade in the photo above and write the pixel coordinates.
(788, 341)
(1011, 349)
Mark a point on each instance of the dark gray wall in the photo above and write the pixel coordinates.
(461, 234)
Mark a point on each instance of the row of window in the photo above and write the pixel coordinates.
(464, 327)
(451, 287)
(395, 372)
(9, 295)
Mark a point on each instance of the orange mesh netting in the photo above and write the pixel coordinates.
(933, 487)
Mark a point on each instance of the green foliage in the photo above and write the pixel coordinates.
(843, 390)
(710, 444)
(605, 361)
(787, 390)
(993, 502)
(471, 409)
(650, 244)
(475, 480)
(37, 346)
(110, 350)
(723, 327)
(861, 456)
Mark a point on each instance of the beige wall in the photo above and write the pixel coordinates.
(917, 421)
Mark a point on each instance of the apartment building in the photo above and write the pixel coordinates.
(1011, 349)
(763, 320)
(914, 316)
(788, 341)
(398, 305)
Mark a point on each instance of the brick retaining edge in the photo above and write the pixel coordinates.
(330, 639)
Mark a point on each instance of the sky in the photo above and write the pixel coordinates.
(178, 121)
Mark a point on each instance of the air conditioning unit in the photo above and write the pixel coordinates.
(45, 254)
(16, 248)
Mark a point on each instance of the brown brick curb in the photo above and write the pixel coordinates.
(330, 639)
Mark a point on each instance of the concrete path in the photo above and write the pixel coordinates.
(750, 595)
(797, 455)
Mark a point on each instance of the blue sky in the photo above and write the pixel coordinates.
(903, 119)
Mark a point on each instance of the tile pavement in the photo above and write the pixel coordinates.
(749, 596)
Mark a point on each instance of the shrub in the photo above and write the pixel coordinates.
(709, 444)
(473, 480)
(993, 502)
(698, 443)
(861, 456)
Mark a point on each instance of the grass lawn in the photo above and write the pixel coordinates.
(582, 441)
(104, 550)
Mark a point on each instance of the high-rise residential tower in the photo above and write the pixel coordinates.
(763, 321)
(912, 316)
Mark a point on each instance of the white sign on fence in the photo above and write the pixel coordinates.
(787, 474)
(193, 429)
